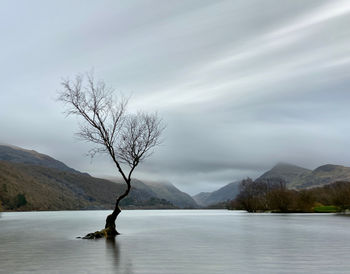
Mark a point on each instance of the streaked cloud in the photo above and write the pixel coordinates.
(241, 84)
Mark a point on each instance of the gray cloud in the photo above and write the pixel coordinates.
(242, 85)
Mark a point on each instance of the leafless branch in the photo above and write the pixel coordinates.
(127, 138)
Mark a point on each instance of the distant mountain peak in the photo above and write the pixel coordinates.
(328, 168)
(20, 155)
(288, 172)
(285, 165)
(223, 194)
(298, 177)
(162, 190)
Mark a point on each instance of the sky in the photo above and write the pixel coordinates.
(241, 85)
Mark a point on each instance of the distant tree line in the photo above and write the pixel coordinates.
(11, 202)
(273, 195)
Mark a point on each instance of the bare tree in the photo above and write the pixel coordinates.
(127, 138)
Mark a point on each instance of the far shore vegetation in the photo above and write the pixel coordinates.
(272, 195)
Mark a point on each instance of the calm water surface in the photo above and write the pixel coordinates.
(175, 241)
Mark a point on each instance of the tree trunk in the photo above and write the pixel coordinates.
(111, 219)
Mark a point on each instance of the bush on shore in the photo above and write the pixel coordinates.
(273, 195)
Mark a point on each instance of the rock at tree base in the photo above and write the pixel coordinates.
(104, 233)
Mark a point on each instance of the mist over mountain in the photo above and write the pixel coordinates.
(201, 197)
(226, 193)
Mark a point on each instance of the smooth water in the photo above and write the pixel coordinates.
(175, 241)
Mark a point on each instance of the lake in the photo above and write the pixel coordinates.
(175, 241)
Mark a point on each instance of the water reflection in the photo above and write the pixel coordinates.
(345, 214)
(120, 263)
(176, 241)
(114, 251)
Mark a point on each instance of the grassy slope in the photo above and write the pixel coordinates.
(322, 175)
(52, 189)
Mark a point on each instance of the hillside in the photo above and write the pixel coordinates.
(172, 194)
(51, 189)
(298, 177)
(290, 173)
(323, 175)
(29, 187)
(226, 193)
(201, 197)
(15, 154)
(48, 184)
(33, 181)
(164, 190)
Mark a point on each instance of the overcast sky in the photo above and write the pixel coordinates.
(242, 85)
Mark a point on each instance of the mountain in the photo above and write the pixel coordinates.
(323, 175)
(289, 173)
(33, 181)
(298, 177)
(201, 197)
(164, 190)
(15, 154)
(44, 188)
(29, 187)
(169, 192)
(226, 193)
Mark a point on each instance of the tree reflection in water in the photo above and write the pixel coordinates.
(121, 262)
